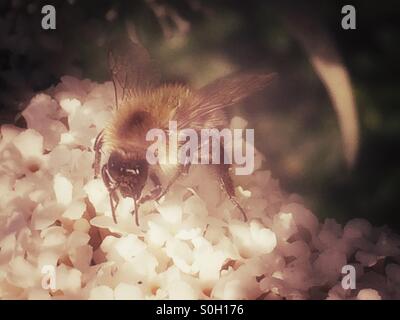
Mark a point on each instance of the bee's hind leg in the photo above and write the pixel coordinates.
(227, 185)
(98, 143)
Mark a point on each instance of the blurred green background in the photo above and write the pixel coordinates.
(196, 41)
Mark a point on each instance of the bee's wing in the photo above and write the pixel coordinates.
(132, 69)
(210, 100)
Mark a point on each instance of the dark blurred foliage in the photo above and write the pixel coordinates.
(196, 41)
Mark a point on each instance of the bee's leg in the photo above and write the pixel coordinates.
(183, 169)
(226, 181)
(98, 143)
(111, 191)
(227, 185)
(113, 196)
(155, 192)
(136, 211)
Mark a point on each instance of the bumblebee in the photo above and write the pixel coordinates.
(143, 103)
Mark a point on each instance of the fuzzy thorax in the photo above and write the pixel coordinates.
(142, 112)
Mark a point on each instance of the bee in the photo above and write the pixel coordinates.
(143, 103)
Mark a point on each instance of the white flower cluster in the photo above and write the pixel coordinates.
(193, 244)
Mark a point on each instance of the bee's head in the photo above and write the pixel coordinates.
(129, 173)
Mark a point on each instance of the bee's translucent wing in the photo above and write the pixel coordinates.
(206, 109)
(131, 68)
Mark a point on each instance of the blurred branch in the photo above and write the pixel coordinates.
(329, 67)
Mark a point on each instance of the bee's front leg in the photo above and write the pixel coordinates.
(155, 192)
(98, 143)
(113, 196)
(136, 211)
(111, 188)
(183, 169)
